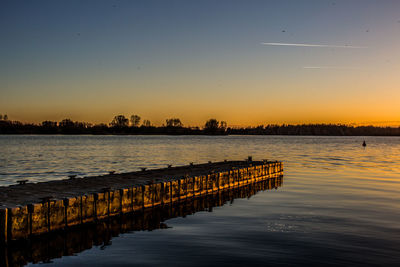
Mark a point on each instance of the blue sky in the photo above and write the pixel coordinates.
(91, 60)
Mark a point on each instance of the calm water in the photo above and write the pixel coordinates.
(339, 203)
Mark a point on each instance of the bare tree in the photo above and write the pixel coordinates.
(135, 120)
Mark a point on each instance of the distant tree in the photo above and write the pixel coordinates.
(211, 125)
(1, 117)
(5, 117)
(66, 123)
(146, 123)
(223, 125)
(135, 120)
(101, 125)
(49, 124)
(119, 121)
(174, 122)
(83, 124)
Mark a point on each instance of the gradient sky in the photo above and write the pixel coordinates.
(246, 62)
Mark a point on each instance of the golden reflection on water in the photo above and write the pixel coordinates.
(40, 158)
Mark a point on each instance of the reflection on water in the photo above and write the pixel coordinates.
(340, 204)
(41, 158)
(78, 239)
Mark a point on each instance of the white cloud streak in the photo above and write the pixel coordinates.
(330, 67)
(315, 45)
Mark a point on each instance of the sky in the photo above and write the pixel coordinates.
(244, 62)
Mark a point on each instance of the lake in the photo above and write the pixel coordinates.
(339, 203)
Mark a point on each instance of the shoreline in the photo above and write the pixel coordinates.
(166, 134)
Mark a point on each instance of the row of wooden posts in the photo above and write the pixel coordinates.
(78, 239)
(56, 214)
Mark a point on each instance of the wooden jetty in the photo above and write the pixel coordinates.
(74, 240)
(30, 209)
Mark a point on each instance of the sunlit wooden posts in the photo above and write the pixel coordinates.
(138, 198)
(88, 208)
(175, 191)
(204, 183)
(147, 196)
(182, 188)
(56, 214)
(126, 200)
(78, 239)
(157, 197)
(73, 211)
(197, 185)
(167, 196)
(53, 214)
(189, 187)
(18, 223)
(115, 201)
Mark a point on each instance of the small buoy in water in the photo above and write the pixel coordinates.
(364, 144)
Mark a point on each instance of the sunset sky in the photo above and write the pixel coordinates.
(245, 62)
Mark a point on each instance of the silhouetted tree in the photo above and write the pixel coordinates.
(49, 124)
(174, 122)
(222, 125)
(135, 120)
(66, 123)
(146, 123)
(1, 117)
(83, 125)
(119, 121)
(211, 125)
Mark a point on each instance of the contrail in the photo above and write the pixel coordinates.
(330, 67)
(315, 45)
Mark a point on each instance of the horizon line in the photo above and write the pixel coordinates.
(364, 123)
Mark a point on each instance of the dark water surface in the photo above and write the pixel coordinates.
(339, 203)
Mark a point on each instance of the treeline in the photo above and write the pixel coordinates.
(173, 126)
(316, 129)
(119, 125)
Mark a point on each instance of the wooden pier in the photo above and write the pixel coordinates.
(31, 209)
(75, 240)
